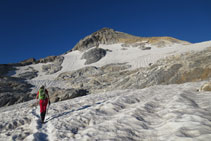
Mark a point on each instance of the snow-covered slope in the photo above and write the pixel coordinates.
(158, 113)
(133, 56)
(127, 64)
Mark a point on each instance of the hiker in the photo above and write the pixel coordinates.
(43, 96)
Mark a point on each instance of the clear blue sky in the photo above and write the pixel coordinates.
(40, 28)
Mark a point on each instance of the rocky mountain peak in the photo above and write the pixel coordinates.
(110, 36)
(105, 30)
(102, 36)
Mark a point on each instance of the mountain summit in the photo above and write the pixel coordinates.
(102, 36)
(110, 36)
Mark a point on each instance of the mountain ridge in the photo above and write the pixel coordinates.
(110, 36)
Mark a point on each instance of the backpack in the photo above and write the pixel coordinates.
(42, 94)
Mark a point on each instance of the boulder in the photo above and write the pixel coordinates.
(206, 87)
(93, 55)
(145, 48)
(125, 45)
(140, 45)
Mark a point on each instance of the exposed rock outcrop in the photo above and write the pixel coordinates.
(179, 69)
(14, 90)
(93, 55)
(140, 45)
(94, 79)
(29, 75)
(189, 67)
(103, 36)
(53, 67)
(81, 73)
(47, 59)
(58, 94)
(27, 62)
(4, 69)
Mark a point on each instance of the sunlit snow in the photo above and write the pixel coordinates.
(158, 113)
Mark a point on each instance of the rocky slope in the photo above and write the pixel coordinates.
(179, 69)
(13, 91)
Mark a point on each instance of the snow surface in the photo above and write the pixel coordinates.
(158, 113)
(132, 55)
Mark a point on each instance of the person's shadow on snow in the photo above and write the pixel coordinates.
(65, 113)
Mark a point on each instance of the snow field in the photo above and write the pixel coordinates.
(158, 113)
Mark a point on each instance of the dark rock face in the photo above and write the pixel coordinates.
(29, 75)
(54, 67)
(93, 55)
(58, 94)
(13, 91)
(4, 69)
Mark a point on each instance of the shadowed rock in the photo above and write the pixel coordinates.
(54, 67)
(58, 94)
(14, 90)
(4, 69)
(93, 55)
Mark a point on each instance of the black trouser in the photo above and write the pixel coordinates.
(42, 115)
